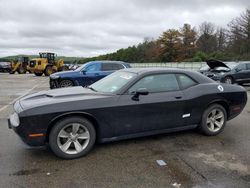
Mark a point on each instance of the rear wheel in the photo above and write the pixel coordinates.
(63, 68)
(38, 74)
(229, 80)
(12, 72)
(66, 83)
(213, 120)
(48, 71)
(72, 137)
(21, 70)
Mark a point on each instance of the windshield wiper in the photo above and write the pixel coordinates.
(91, 88)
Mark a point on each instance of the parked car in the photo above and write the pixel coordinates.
(204, 69)
(228, 72)
(86, 74)
(5, 67)
(126, 104)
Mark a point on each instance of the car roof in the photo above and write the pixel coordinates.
(193, 74)
(106, 61)
(155, 70)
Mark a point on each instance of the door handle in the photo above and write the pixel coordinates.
(178, 97)
(96, 74)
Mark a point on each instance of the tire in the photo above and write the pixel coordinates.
(66, 83)
(68, 145)
(63, 68)
(21, 70)
(12, 72)
(38, 74)
(210, 125)
(228, 80)
(48, 71)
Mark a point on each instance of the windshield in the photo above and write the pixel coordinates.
(113, 82)
(231, 65)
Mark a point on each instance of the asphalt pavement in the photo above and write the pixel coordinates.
(192, 160)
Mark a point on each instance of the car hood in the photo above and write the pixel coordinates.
(62, 95)
(63, 74)
(215, 63)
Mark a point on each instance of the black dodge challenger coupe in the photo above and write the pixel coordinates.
(126, 104)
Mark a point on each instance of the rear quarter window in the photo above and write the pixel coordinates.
(111, 66)
(185, 81)
(107, 66)
(117, 66)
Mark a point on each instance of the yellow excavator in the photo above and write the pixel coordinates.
(19, 65)
(46, 64)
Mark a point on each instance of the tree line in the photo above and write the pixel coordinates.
(189, 43)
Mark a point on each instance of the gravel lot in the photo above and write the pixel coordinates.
(193, 160)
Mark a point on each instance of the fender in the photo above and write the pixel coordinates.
(90, 117)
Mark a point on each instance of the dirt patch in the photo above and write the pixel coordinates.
(223, 160)
(25, 172)
(246, 178)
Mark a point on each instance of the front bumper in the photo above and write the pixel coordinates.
(5, 69)
(53, 83)
(24, 134)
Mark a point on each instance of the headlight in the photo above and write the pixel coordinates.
(14, 120)
(17, 107)
(54, 76)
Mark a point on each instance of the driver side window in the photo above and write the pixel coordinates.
(241, 67)
(156, 83)
(92, 68)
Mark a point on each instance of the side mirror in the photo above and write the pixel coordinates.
(138, 92)
(83, 71)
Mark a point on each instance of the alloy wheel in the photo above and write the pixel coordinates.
(66, 83)
(215, 120)
(73, 138)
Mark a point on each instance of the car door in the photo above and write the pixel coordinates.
(247, 72)
(193, 101)
(90, 74)
(107, 68)
(161, 109)
(241, 73)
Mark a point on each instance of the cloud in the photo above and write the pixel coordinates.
(91, 27)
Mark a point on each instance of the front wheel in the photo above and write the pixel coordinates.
(72, 137)
(213, 120)
(48, 71)
(21, 70)
(66, 83)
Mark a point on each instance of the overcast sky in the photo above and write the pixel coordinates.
(91, 27)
